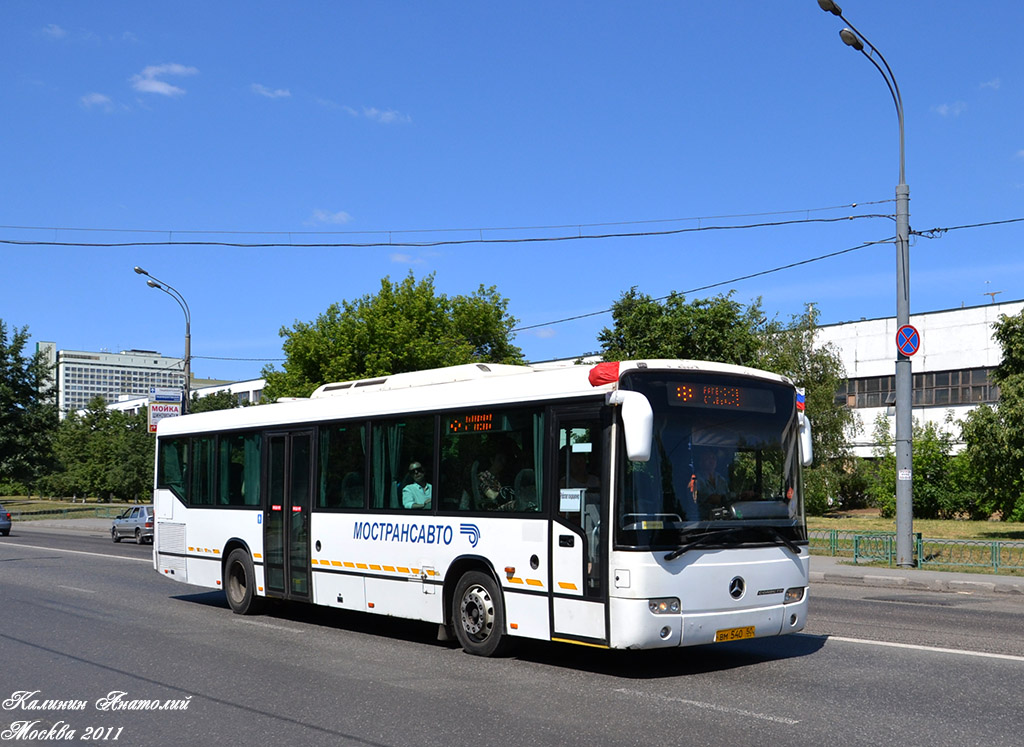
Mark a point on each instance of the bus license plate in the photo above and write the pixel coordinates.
(734, 634)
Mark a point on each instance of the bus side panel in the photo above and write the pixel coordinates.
(201, 535)
(336, 588)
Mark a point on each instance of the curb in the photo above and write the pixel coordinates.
(948, 585)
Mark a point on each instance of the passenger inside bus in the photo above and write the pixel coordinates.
(709, 485)
(416, 494)
(495, 493)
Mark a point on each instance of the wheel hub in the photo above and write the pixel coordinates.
(477, 612)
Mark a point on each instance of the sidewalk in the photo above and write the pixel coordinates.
(830, 570)
(824, 569)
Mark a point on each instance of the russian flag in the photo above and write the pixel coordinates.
(800, 404)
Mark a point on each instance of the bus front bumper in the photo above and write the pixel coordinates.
(634, 625)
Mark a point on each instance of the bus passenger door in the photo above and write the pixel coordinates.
(288, 485)
(579, 559)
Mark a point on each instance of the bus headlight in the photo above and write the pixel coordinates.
(794, 595)
(665, 606)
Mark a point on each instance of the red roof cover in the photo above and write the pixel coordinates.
(604, 373)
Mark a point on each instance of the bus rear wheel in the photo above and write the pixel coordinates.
(240, 583)
(478, 615)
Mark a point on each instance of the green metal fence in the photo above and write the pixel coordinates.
(71, 512)
(880, 547)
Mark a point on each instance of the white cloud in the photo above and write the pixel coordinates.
(91, 100)
(389, 116)
(324, 216)
(147, 81)
(276, 93)
(950, 110)
(993, 84)
(54, 31)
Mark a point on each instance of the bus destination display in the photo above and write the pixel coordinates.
(477, 422)
(717, 396)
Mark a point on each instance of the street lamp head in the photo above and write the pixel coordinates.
(140, 271)
(154, 284)
(830, 7)
(850, 39)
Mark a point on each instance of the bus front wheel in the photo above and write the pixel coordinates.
(478, 615)
(240, 583)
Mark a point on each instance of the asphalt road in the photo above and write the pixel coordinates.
(81, 618)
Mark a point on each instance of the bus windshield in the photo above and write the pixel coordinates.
(724, 466)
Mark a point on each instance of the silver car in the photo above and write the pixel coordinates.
(135, 522)
(5, 522)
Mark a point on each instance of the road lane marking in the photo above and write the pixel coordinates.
(266, 625)
(710, 706)
(82, 552)
(75, 588)
(933, 649)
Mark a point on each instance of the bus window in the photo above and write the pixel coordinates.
(238, 470)
(396, 446)
(172, 473)
(342, 466)
(201, 489)
(491, 461)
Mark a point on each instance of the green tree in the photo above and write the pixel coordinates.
(406, 326)
(723, 329)
(939, 490)
(711, 329)
(103, 453)
(994, 436)
(28, 413)
(222, 400)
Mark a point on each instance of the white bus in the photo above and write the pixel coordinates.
(639, 504)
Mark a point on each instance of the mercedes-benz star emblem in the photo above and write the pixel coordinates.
(736, 587)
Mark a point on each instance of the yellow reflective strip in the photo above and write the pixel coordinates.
(415, 571)
(402, 570)
(374, 567)
(257, 555)
(566, 585)
(515, 580)
(389, 568)
(349, 565)
(534, 582)
(361, 566)
(579, 643)
(336, 562)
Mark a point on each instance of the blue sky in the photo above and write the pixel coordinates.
(354, 123)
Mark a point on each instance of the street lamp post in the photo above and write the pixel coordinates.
(176, 295)
(904, 384)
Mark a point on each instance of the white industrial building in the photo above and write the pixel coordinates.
(246, 392)
(951, 369)
(81, 375)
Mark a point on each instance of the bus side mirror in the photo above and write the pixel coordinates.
(637, 422)
(806, 446)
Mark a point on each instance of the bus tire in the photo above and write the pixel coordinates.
(240, 583)
(478, 615)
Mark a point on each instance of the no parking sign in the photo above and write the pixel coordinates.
(908, 340)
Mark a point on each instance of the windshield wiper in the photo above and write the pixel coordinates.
(704, 539)
(780, 537)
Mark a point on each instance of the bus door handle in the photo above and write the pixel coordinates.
(566, 540)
